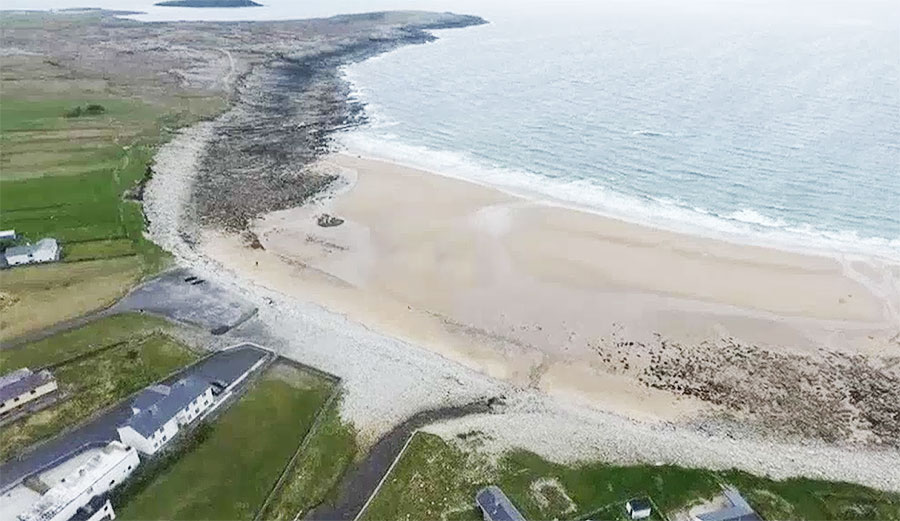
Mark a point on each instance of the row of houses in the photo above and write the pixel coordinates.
(44, 250)
(495, 506)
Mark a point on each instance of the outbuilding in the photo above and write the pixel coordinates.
(23, 386)
(45, 250)
(495, 506)
(639, 508)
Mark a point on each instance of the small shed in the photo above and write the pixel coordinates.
(7, 235)
(495, 506)
(45, 250)
(639, 508)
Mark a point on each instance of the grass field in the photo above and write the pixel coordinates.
(90, 376)
(438, 480)
(229, 473)
(71, 178)
(329, 451)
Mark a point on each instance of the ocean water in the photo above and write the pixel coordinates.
(767, 121)
(745, 120)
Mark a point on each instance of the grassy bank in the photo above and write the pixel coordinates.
(102, 364)
(330, 449)
(229, 474)
(438, 480)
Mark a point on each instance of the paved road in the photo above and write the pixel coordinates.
(360, 482)
(226, 365)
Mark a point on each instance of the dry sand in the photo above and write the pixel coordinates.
(538, 295)
(397, 358)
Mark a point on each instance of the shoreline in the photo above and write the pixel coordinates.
(388, 380)
(591, 310)
(786, 243)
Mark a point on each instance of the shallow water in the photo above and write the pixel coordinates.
(764, 121)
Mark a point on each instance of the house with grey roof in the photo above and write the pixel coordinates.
(45, 250)
(495, 506)
(159, 411)
(23, 386)
(737, 509)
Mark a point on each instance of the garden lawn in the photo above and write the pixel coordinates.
(96, 381)
(438, 480)
(228, 475)
(329, 451)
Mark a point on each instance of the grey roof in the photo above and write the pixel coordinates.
(150, 396)
(639, 504)
(28, 249)
(496, 506)
(739, 510)
(22, 381)
(152, 416)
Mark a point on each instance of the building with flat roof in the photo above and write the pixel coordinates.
(45, 250)
(495, 506)
(23, 386)
(97, 476)
(160, 410)
(738, 509)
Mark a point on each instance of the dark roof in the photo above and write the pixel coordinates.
(22, 381)
(496, 506)
(639, 504)
(150, 396)
(153, 416)
(96, 503)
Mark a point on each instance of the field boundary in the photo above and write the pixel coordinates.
(289, 466)
(385, 476)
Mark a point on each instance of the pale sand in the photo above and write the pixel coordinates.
(524, 291)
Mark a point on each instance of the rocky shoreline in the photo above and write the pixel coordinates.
(283, 118)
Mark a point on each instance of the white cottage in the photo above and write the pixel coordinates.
(23, 386)
(45, 250)
(160, 410)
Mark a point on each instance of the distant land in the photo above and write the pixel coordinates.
(209, 3)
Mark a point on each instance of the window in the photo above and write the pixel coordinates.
(16, 399)
(33, 391)
(129, 467)
(112, 482)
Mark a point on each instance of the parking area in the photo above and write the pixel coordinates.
(181, 295)
(228, 367)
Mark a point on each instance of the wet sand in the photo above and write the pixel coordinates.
(539, 295)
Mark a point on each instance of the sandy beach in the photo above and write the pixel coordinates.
(552, 298)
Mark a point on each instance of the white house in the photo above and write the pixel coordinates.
(100, 474)
(98, 509)
(495, 506)
(45, 250)
(638, 508)
(159, 411)
(738, 509)
(23, 386)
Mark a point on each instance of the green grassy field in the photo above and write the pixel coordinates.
(229, 473)
(91, 375)
(330, 450)
(437, 480)
(74, 178)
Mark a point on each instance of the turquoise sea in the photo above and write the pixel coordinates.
(770, 121)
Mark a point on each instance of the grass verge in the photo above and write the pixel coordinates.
(228, 474)
(330, 449)
(438, 480)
